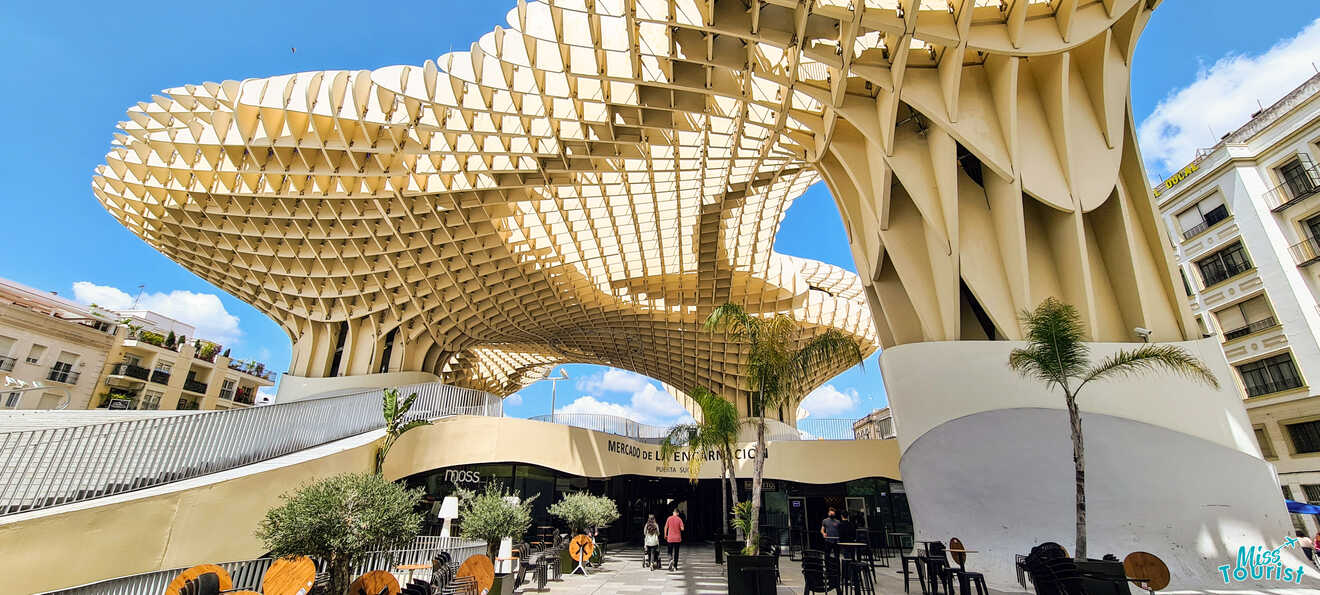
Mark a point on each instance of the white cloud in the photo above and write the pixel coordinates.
(513, 400)
(828, 401)
(613, 381)
(1222, 98)
(646, 403)
(201, 310)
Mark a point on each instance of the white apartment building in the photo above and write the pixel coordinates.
(88, 357)
(1245, 220)
(877, 425)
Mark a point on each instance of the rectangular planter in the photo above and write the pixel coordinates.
(503, 584)
(745, 583)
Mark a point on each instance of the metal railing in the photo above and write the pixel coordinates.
(247, 574)
(610, 424)
(1265, 388)
(130, 370)
(1211, 217)
(7, 363)
(1306, 251)
(826, 429)
(194, 386)
(1304, 183)
(1257, 326)
(58, 374)
(50, 467)
(160, 377)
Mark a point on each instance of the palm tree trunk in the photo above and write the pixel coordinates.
(1079, 471)
(724, 496)
(732, 478)
(758, 467)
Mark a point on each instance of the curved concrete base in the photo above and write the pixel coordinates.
(297, 388)
(1002, 482)
(1172, 468)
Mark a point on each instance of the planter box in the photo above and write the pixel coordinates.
(745, 572)
(727, 547)
(566, 562)
(503, 584)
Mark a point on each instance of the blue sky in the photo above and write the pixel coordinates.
(72, 69)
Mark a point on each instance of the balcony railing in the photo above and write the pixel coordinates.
(160, 377)
(1294, 189)
(1218, 273)
(1266, 388)
(1306, 251)
(244, 395)
(7, 363)
(194, 386)
(1257, 326)
(1212, 217)
(130, 370)
(62, 375)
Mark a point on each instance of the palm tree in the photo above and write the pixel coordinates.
(777, 371)
(396, 422)
(717, 431)
(1057, 354)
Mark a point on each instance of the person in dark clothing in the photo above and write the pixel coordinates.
(829, 530)
(847, 530)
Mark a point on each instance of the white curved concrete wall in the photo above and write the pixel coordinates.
(295, 388)
(1171, 466)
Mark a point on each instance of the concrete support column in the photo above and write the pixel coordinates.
(1172, 466)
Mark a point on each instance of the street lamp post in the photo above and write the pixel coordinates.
(554, 384)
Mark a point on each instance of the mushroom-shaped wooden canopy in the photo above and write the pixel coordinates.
(587, 183)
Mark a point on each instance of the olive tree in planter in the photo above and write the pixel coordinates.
(582, 511)
(339, 520)
(491, 516)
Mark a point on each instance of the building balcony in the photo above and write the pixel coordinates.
(160, 377)
(194, 386)
(62, 376)
(1266, 388)
(131, 371)
(1254, 327)
(1218, 274)
(1212, 217)
(1293, 191)
(1306, 251)
(7, 363)
(245, 395)
(252, 368)
(188, 405)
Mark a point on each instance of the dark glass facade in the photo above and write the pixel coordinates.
(791, 511)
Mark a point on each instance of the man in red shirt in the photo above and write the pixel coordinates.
(674, 536)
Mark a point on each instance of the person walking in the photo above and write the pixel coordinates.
(674, 537)
(829, 530)
(651, 539)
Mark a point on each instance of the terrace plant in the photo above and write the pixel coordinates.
(581, 511)
(492, 515)
(780, 364)
(339, 520)
(152, 338)
(1057, 355)
(396, 422)
(716, 432)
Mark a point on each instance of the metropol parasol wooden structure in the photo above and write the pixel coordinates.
(586, 183)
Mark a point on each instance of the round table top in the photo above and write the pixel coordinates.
(581, 548)
(479, 567)
(175, 585)
(1147, 569)
(852, 543)
(374, 582)
(289, 576)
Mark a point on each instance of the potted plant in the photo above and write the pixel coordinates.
(495, 517)
(582, 511)
(340, 519)
(738, 563)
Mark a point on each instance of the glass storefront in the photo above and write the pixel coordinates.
(791, 511)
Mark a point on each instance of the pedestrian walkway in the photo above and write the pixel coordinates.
(623, 572)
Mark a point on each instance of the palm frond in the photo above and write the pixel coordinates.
(1035, 362)
(1057, 339)
(732, 320)
(407, 404)
(390, 405)
(416, 423)
(826, 349)
(677, 438)
(1147, 358)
